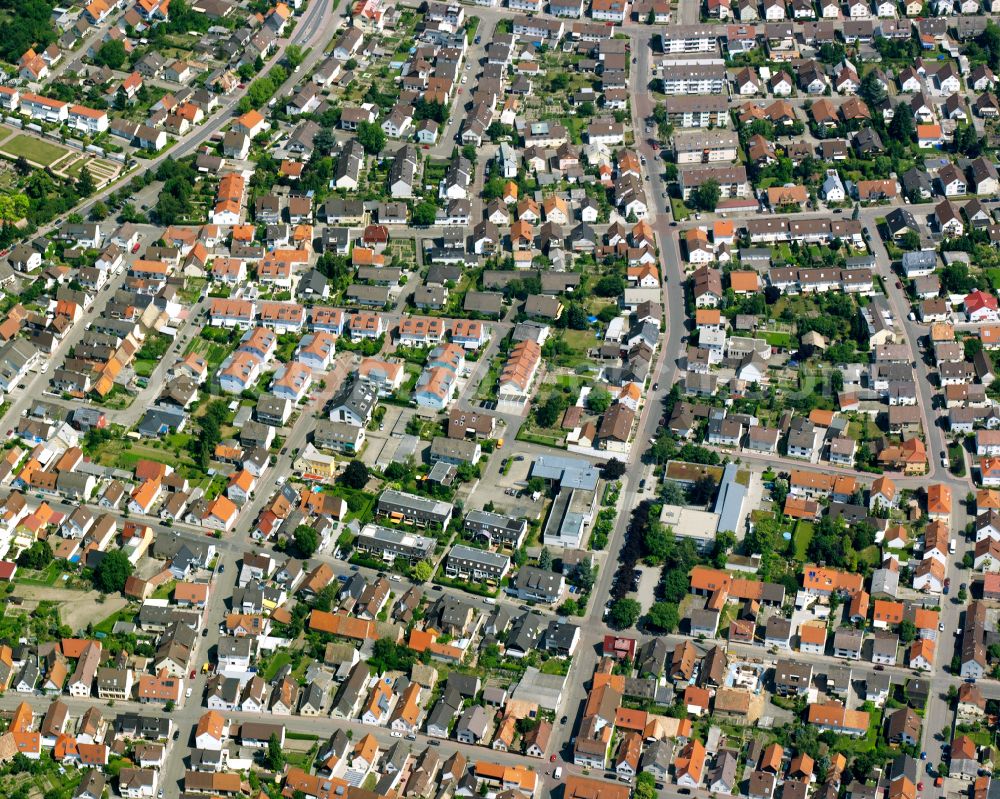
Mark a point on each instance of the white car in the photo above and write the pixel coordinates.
(187, 693)
(941, 627)
(397, 734)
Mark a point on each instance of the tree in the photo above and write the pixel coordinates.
(972, 346)
(37, 556)
(326, 597)
(607, 313)
(584, 575)
(624, 613)
(422, 571)
(871, 89)
(355, 475)
(306, 541)
(673, 493)
(85, 183)
(613, 469)
(545, 559)
(706, 196)
(663, 616)
(13, 207)
(372, 137)
(430, 109)
(831, 53)
(645, 783)
(294, 55)
(724, 542)
(702, 491)
(112, 572)
(907, 631)
(548, 413)
(902, 128)
(112, 54)
(609, 286)
(657, 541)
(576, 317)
(957, 279)
(202, 446)
(275, 754)
(387, 655)
(424, 213)
(910, 240)
(599, 399)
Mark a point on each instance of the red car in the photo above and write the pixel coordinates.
(920, 786)
(193, 672)
(135, 248)
(552, 759)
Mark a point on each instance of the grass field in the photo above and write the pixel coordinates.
(783, 340)
(801, 537)
(35, 150)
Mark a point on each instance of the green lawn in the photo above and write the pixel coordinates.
(35, 150)
(801, 537)
(165, 590)
(579, 342)
(280, 659)
(144, 368)
(869, 556)
(535, 437)
(555, 666)
(783, 340)
(679, 211)
(106, 626)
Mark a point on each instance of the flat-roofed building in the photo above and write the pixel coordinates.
(476, 564)
(390, 544)
(412, 509)
(496, 528)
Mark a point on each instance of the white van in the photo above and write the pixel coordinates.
(557, 774)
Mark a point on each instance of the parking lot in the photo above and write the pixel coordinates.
(496, 491)
(646, 595)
